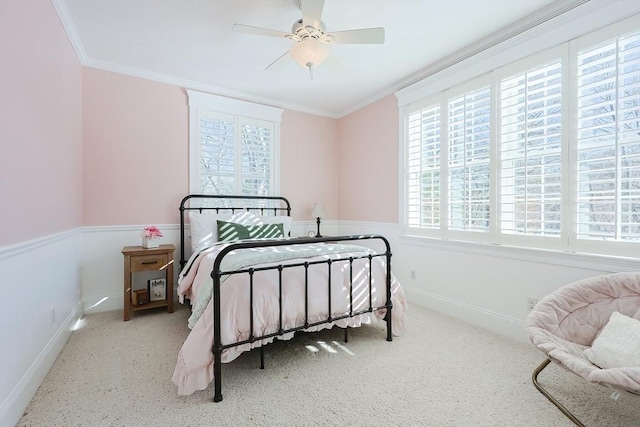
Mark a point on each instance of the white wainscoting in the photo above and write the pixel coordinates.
(484, 285)
(39, 305)
(103, 262)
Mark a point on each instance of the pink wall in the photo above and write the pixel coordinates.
(309, 163)
(101, 148)
(136, 153)
(368, 159)
(41, 131)
(136, 149)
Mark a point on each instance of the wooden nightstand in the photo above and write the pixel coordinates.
(137, 258)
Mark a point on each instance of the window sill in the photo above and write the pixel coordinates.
(601, 262)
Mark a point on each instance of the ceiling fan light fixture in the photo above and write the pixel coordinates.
(309, 53)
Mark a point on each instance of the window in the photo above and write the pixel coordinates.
(234, 146)
(530, 151)
(608, 140)
(423, 151)
(544, 152)
(469, 167)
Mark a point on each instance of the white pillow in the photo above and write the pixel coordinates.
(204, 226)
(618, 343)
(246, 218)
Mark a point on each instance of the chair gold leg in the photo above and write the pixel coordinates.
(553, 400)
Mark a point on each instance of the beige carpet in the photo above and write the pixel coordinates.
(441, 372)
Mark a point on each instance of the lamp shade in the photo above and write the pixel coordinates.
(309, 52)
(318, 211)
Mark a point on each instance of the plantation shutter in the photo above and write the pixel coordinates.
(469, 161)
(608, 143)
(530, 150)
(423, 168)
(256, 157)
(235, 154)
(217, 153)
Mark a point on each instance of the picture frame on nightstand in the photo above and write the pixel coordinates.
(157, 289)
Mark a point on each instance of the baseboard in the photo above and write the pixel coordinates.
(18, 400)
(495, 322)
(103, 303)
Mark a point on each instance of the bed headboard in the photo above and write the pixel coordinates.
(260, 205)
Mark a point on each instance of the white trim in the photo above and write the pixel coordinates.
(194, 151)
(106, 303)
(240, 112)
(476, 316)
(72, 33)
(503, 35)
(70, 29)
(492, 52)
(542, 22)
(196, 85)
(29, 245)
(110, 228)
(226, 105)
(604, 263)
(18, 399)
(391, 227)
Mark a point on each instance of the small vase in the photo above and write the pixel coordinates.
(148, 243)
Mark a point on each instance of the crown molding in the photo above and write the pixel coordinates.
(506, 37)
(199, 86)
(70, 29)
(508, 33)
(560, 23)
(65, 18)
(527, 23)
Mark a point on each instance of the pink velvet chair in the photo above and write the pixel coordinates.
(565, 323)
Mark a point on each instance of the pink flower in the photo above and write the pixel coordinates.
(151, 232)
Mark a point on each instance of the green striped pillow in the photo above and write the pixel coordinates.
(232, 231)
(266, 231)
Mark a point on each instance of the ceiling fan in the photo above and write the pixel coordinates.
(311, 37)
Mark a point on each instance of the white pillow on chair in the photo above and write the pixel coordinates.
(617, 345)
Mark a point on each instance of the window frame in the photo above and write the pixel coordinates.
(205, 104)
(542, 242)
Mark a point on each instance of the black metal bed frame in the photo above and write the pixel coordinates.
(216, 275)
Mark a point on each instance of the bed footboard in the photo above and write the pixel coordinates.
(217, 275)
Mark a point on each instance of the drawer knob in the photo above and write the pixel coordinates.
(149, 262)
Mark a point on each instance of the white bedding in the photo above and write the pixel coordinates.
(194, 368)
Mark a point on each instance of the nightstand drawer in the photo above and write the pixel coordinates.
(148, 262)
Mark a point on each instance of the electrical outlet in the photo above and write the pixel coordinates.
(52, 316)
(531, 303)
(413, 275)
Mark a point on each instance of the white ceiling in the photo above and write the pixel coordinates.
(191, 43)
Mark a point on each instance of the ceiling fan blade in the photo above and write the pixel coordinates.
(311, 12)
(362, 36)
(277, 59)
(260, 31)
